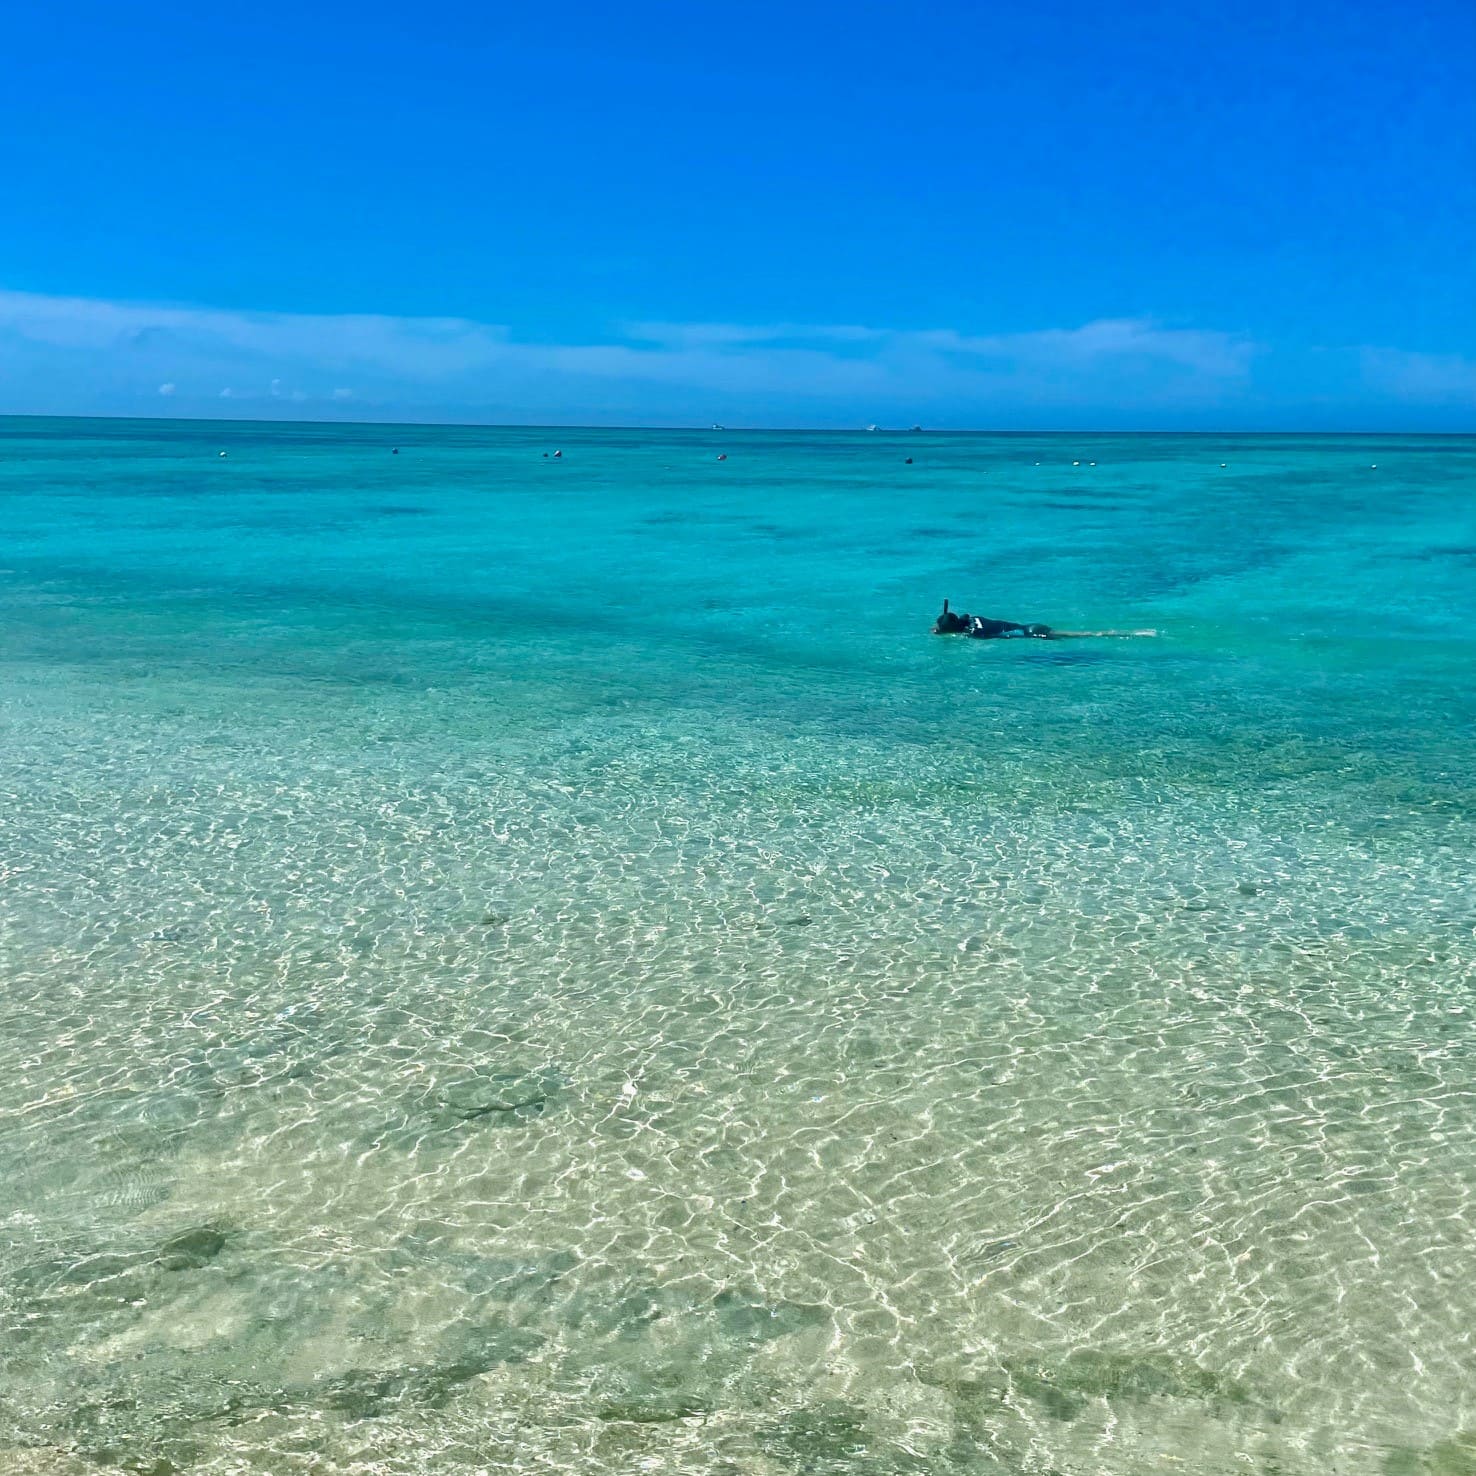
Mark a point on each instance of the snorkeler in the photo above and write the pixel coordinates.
(981, 628)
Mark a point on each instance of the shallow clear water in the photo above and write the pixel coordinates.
(542, 966)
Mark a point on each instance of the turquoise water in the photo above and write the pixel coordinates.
(543, 965)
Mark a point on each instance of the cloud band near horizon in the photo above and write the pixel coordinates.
(71, 355)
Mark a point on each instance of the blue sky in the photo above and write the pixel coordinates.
(1055, 214)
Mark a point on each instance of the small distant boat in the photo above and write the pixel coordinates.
(873, 427)
(719, 427)
(917, 427)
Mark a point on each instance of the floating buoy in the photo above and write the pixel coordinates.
(222, 453)
(1076, 463)
(1374, 467)
(1222, 466)
(722, 455)
(395, 452)
(1091, 463)
(557, 454)
(909, 461)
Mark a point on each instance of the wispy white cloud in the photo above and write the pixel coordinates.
(1121, 342)
(166, 389)
(725, 335)
(1115, 339)
(1427, 379)
(408, 345)
(1109, 371)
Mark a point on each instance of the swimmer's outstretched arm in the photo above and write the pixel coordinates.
(1122, 635)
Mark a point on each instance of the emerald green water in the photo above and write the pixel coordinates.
(541, 965)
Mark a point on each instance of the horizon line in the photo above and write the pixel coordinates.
(859, 430)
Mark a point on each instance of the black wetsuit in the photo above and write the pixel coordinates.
(981, 628)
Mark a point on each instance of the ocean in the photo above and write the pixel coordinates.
(516, 963)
